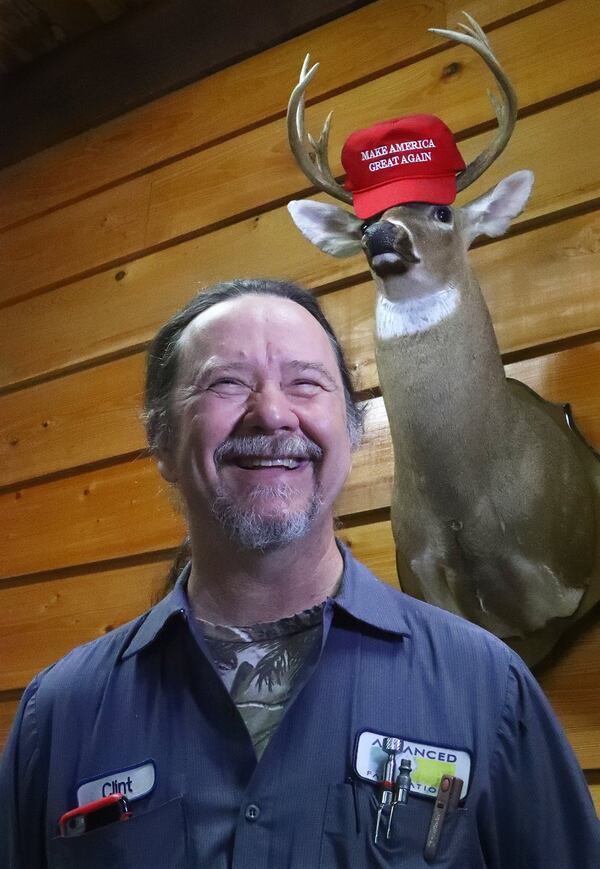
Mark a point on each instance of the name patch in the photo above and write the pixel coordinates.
(429, 762)
(134, 783)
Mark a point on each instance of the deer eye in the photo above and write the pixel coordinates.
(443, 214)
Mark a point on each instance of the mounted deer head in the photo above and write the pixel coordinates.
(496, 503)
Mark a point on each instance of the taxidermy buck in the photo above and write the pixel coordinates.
(496, 499)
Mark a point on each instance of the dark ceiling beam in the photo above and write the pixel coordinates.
(140, 57)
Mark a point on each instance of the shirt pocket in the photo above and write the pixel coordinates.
(149, 840)
(349, 828)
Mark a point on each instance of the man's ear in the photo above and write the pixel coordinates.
(166, 466)
(333, 230)
(491, 214)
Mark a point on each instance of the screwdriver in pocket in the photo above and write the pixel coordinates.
(390, 746)
(402, 790)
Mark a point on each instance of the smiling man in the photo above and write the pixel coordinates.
(281, 708)
(262, 429)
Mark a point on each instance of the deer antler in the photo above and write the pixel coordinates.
(310, 155)
(505, 108)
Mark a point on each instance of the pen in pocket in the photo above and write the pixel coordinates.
(447, 799)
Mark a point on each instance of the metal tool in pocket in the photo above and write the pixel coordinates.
(387, 783)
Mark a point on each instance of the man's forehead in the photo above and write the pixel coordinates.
(237, 326)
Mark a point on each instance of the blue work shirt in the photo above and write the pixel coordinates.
(147, 697)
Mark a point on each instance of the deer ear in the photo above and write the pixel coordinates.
(492, 213)
(333, 230)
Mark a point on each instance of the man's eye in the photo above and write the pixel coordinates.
(305, 387)
(228, 385)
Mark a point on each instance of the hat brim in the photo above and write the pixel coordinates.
(437, 191)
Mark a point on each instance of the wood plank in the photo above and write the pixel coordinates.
(89, 416)
(93, 415)
(373, 544)
(42, 621)
(569, 376)
(8, 710)
(179, 192)
(572, 684)
(108, 225)
(161, 48)
(540, 271)
(93, 516)
(593, 780)
(197, 192)
(80, 519)
(480, 8)
(120, 309)
(211, 108)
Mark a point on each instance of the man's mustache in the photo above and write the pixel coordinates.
(268, 447)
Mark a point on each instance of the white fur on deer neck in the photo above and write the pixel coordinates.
(410, 316)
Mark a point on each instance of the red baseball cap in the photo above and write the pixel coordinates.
(411, 159)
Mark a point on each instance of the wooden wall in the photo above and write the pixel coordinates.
(104, 236)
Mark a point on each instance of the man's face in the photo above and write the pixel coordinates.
(261, 441)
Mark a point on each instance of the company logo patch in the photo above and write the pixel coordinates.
(429, 762)
(134, 783)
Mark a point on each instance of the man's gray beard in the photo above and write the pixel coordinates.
(246, 527)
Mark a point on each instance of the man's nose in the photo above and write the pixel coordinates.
(269, 409)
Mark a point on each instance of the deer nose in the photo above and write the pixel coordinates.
(385, 237)
(380, 238)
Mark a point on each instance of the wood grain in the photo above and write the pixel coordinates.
(86, 417)
(373, 544)
(481, 9)
(103, 514)
(41, 622)
(105, 226)
(527, 280)
(571, 376)
(593, 780)
(572, 684)
(212, 108)
(8, 709)
(197, 192)
(93, 415)
(80, 519)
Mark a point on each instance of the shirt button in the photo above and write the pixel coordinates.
(252, 812)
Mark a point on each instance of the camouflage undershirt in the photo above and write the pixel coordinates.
(259, 665)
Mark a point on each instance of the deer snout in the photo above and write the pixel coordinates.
(389, 247)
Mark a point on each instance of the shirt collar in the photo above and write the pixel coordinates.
(174, 604)
(361, 595)
(368, 599)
